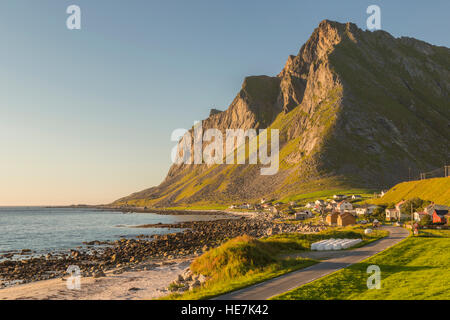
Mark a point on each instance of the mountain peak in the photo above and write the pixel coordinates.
(354, 108)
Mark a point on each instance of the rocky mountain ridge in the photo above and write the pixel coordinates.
(354, 108)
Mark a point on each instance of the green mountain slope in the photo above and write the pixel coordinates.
(355, 109)
(436, 190)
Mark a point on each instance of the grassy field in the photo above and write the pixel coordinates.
(436, 190)
(417, 268)
(326, 194)
(244, 261)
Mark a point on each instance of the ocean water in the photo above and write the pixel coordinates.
(58, 229)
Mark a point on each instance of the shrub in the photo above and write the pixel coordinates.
(426, 220)
(416, 203)
(234, 258)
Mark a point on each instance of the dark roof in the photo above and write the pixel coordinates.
(441, 213)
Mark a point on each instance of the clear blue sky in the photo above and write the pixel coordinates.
(86, 116)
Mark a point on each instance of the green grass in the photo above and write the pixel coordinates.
(436, 190)
(416, 268)
(326, 194)
(244, 261)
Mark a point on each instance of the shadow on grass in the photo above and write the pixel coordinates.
(433, 234)
(390, 269)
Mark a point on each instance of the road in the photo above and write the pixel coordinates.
(290, 281)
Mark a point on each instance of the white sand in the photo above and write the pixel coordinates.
(130, 285)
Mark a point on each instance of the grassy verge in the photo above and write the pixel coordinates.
(416, 268)
(244, 261)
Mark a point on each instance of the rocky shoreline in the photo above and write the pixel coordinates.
(129, 254)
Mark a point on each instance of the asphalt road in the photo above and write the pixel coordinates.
(290, 281)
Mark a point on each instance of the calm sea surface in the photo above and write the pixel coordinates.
(52, 229)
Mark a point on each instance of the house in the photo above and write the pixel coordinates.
(362, 211)
(319, 203)
(440, 216)
(310, 205)
(233, 206)
(339, 196)
(391, 214)
(346, 219)
(245, 206)
(365, 210)
(332, 218)
(293, 203)
(301, 216)
(430, 208)
(308, 213)
(394, 215)
(331, 206)
(383, 193)
(344, 205)
(356, 196)
(418, 216)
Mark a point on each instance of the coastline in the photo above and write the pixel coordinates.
(146, 281)
(135, 261)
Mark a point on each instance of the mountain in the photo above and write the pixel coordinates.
(355, 109)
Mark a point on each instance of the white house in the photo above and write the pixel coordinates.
(365, 210)
(418, 216)
(310, 205)
(344, 205)
(245, 206)
(319, 202)
(356, 196)
(339, 196)
(394, 214)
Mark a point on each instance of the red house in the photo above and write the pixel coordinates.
(439, 216)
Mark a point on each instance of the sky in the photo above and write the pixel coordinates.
(86, 115)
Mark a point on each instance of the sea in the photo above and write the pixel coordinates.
(43, 230)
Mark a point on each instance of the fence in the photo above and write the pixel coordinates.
(436, 173)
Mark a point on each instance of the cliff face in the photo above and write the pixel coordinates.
(354, 108)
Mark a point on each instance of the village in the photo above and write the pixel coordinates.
(344, 210)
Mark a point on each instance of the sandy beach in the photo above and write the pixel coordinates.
(130, 285)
